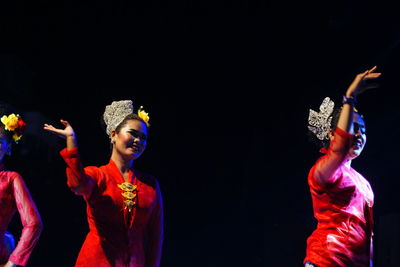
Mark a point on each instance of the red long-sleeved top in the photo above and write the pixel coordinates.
(117, 237)
(343, 209)
(14, 195)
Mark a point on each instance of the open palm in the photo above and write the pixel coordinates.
(67, 131)
(362, 82)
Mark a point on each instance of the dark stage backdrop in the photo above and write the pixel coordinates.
(228, 85)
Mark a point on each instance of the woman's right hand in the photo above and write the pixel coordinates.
(66, 132)
(363, 82)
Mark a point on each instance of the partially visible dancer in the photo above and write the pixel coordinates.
(124, 205)
(342, 198)
(15, 196)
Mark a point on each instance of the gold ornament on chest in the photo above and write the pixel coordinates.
(129, 193)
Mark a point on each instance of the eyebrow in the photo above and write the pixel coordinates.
(360, 126)
(138, 132)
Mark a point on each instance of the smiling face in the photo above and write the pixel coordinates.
(131, 139)
(360, 137)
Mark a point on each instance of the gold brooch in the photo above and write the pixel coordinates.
(129, 194)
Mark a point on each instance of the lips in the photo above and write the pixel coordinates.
(358, 143)
(134, 147)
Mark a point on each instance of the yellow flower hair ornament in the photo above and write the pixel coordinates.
(144, 115)
(14, 123)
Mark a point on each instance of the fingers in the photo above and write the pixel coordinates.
(372, 69)
(370, 73)
(51, 127)
(48, 126)
(53, 130)
(64, 122)
(374, 75)
(370, 77)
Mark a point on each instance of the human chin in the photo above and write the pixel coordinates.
(135, 155)
(132, 155)
(355, 152)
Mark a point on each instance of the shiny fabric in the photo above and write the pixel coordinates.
(14, 196)
(117, 237)
(343, 210)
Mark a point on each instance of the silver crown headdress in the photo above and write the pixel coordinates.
(320, 122)
(115, 113)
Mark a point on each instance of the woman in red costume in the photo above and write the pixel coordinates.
(342, 197)
(15, 196)
(124, 206)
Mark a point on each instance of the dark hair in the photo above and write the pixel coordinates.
(132, 116)
(335, 119)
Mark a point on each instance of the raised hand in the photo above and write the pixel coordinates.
(362, 82)
(64, 133)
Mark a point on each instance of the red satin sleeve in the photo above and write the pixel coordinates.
(31, 222)
(77, 179)
(155, 232)
(323, 173)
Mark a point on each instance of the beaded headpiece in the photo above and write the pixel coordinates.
(320, 122)
(14, 123)
(115, 113)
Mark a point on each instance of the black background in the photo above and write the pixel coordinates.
(228, 86)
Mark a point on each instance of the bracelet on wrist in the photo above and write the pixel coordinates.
(349, 100)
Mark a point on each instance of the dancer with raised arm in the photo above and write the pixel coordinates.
(342, 197)
(124, 205)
